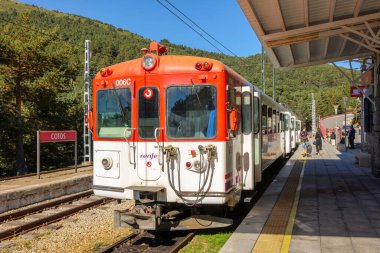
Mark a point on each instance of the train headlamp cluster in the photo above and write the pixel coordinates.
(205, 66)
(107, 163)
(104, 72)
(149, 62)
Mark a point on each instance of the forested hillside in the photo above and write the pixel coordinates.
(41, 79)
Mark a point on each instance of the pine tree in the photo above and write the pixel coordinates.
(35, 68)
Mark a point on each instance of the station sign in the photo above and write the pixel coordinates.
(356, 92)
(367, 77)
(57, 136)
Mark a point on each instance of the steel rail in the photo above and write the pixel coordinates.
(50, 219)
(38, 208)
(182, 243)
(131, 239)
(42, 173)
(118, 243)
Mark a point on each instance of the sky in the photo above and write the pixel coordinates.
(222, 19)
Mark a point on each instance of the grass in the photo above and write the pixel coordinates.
(209, 243)
(98, 245)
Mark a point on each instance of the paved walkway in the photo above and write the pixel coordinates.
(23, 182)
(22, 191)
(336, 208)
(339, 206)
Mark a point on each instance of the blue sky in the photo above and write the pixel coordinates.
(223, 19)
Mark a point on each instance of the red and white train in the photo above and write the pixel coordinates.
(181, 134)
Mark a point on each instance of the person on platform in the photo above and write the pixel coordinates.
(318, 141)
(332, 138)
(351, 137)
(305, 141)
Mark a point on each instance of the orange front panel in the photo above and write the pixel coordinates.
(162, 82)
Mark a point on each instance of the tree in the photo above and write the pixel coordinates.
(35, 69)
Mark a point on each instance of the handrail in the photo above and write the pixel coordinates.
(131, 146)
(160, 147)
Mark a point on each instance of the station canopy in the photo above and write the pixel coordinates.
(297, 33)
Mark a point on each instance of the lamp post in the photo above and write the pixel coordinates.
(345, 99)
(336, 109)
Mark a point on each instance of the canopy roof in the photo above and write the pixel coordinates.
(298, 33)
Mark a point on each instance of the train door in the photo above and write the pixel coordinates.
(248, 137)
(234, 143)
(257, 140)
(282, 134)
(298, 131)
(148, 156)
(292, 132)
(287, 133)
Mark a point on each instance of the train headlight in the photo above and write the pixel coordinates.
(107, 163)
(149, 62)
(197, 165)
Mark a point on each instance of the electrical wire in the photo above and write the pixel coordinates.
(189, 26)
(201, 28)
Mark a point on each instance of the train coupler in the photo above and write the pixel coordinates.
(142, 217)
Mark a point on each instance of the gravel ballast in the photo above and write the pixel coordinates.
(83, 232)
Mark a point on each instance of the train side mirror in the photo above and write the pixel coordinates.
(233, 117)
(233, 121)
(90, 121)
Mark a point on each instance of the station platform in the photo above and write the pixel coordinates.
(22, 191)
(323, 203)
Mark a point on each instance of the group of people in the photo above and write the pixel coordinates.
(319, 138)
(305, 141)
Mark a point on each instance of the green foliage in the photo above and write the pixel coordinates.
(41, 78)
(207, 243)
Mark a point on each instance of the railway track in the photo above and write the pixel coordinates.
(42, 173)
(25, 220)
(148, 243)
(145, 242)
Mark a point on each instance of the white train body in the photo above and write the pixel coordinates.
(188, 131)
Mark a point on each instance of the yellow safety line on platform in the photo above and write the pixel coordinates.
(272, 236)
(289, 229)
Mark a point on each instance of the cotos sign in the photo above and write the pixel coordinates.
(57, 136)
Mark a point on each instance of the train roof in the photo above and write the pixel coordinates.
(167, 64)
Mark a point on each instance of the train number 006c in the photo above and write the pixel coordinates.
(123, 82)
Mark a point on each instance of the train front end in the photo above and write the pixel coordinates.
(159, 129)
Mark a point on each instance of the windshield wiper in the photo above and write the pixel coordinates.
(123, 114)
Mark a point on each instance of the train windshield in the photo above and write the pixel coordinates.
(114, 113)
(191, 111)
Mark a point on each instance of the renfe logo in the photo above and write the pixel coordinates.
(148, 93)
(150, 156)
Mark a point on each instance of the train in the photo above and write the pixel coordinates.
(182, 136)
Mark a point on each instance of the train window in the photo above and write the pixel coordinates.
(298, 125)
(286, 122)
(231, 96)
(256, 119)
(114, 113)
(247, 113)
(274, 122)
(191, 111)
(278, 121)
(148, 112)
(292, 123)
(282, 122)
(264, 111)
(270, 121)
